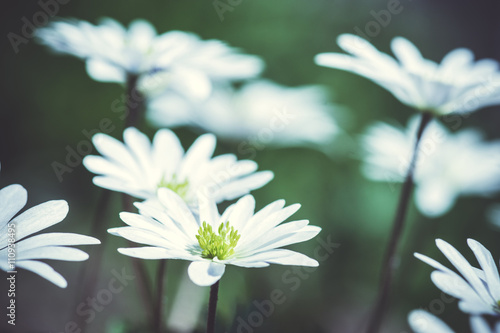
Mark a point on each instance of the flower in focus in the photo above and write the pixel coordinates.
(448, 165)
(237, 237)
(260, 112)
(423, 322)
(15, 230)
(457, 84)
(139, 167)
(112, 52)
(478, 290)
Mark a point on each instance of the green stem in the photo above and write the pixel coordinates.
(389, 262)
(212, 307)
(160, 280)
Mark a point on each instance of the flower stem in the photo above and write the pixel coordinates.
(389, 262)
(160, 280)
(135, 102)
(212, 307)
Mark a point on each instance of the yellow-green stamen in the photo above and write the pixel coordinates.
(221, 245)
(181, 188)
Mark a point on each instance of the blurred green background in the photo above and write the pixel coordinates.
(48, 100)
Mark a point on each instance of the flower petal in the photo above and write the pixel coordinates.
(205, 273)
(44, 271)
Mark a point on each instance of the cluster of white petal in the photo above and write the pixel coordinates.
(261, 113)
(139, 167)
(171, 232)
(457, 84)
(478, 290)
(112, 52)
(29, 250)
(448, 164)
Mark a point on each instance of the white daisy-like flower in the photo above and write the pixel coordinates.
(457, 84)
(448, 165)
(423, 322)
(112, 52)
(238, 237)
(19, 251)
(478, 290)
(139, 167)
(261, 113)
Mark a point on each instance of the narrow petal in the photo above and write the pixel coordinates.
(489, 267)
(44, 271)
(12, 200)
(423, 322)
(55, 239)
(54, 253)
(205, 273)
(151, 252)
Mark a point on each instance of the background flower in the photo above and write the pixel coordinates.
(423, 322)
(174, 234)
(457, 84)
(260, 113)
(449, 165)
(139, 167)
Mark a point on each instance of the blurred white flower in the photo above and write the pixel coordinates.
(457, 84)
(15, 230)
(139, 167)
(238, 237)
(478, 290)
(448, 165)
(261, 113)
(112, 52)
(423, 322)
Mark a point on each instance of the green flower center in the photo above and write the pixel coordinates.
(181, 188)
(221, 245)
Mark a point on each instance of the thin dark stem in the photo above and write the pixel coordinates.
(89, 273)
(212, 307)
(388, 264)
(135, 102)
(160, 281)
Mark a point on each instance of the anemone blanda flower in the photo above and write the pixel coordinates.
(25, 252)
(139, 167)
(260, 112)
(112, 52)
(457, 84)
(238, 237)
(423, 322)
(478, 290)
(448, 165)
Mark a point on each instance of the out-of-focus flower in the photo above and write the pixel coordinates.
(18, 251)
(423, 322)
(457, 84)
(112, 52)
(260, 113)
(448, 165)
(238, 237)
(478, 290)
(139, 167)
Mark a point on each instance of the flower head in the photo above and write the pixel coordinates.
(448, 165)
(478, 290)
(260, 112)
(211, 241)
(423, 322)
(112, 52)
(14, 232)
(139, 168)
(457, 84)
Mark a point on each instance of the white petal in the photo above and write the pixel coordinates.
(205, 273)
(55, 238)
(281, 257)
(239, 187)
(424, 322)
(44, 271)
(103, 71)
(40, 217)
(149, 252)
(200, 151)
(489, 267)
(434, 199)
(479, 325)
(12, 200)
(54, 253)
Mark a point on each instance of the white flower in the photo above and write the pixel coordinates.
(139, 167)
(261, 113)
(448, 165)
(238, 237)
(457, 84)
(14, 233)
(478, 290)
(112, 52)
(423, 322)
